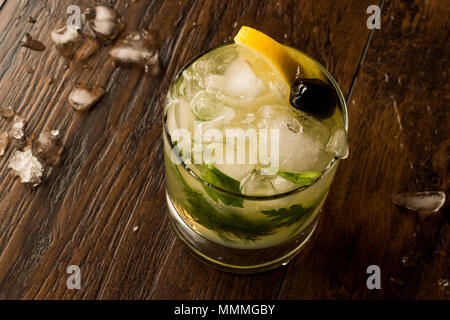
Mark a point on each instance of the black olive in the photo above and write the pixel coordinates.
(313, 96)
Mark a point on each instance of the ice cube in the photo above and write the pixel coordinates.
(7, 112)
(48, 147)
(26, 166)
(137, 48)
(17, 129)
(240, 81)
(338, 145)
(259, 183)
(4, 140)
(281, 184)
(423, 202)
(104, 21)
(410, 259)
(299, 149)
(206, 107)
(83, 98)
(256, 184)
(67, 40)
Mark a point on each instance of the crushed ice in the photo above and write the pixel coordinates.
(26, 166)
(67, 40)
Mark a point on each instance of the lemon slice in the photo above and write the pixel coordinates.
(274, 52)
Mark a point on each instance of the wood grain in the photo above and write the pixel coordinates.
(104, 208)
(406, 68)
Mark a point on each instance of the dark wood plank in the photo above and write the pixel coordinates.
(112, 180)
(399, 142)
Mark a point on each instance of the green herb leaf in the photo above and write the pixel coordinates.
(287, 217)
(225, 223)
(302, 178)
(296, 214)
(219, 179)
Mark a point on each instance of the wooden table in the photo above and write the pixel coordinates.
(104, 208)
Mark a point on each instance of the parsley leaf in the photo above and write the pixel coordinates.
(217, 178)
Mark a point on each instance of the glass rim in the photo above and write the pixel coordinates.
(333, 162)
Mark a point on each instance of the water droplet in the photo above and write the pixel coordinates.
(104, 22)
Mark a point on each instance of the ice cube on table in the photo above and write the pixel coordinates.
(26, 166)
(140, 48)
(104, 21)
(241, 81)
(423, 202)
(67, 40)
(83, 98)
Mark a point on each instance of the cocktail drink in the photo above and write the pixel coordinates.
(253, 132)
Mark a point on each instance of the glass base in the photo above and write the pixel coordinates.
(239, 260)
